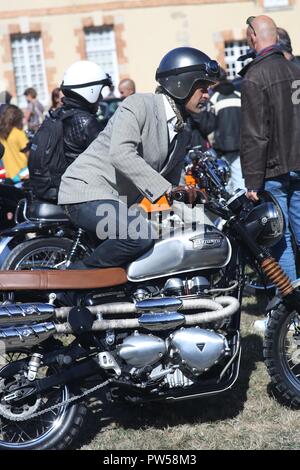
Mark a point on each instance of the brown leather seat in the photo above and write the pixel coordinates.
(57, 280)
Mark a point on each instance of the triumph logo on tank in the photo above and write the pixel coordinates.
(201, 243)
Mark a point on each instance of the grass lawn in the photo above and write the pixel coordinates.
(246, 417)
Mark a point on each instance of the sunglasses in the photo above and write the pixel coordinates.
(249, 23)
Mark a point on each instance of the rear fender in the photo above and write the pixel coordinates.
(23, 227)
(6, 245)
(33, 227)
(10, 237)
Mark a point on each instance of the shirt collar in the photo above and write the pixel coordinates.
(268, 49)
(169, 111)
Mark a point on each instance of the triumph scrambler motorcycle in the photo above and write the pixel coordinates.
(166, 328)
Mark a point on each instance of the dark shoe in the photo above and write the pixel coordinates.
(67, 298)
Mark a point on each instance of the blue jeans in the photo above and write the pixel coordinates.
(121, 248)
(286, 189)
(236, 180)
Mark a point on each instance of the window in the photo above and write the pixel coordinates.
(101, 48)
(233, 50)
(28, 65)
(276, 4)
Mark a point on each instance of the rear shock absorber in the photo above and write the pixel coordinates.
(277, 275)
(77, 241)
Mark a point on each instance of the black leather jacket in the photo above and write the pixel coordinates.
(270, 118)
(227, 103)
(80, 129)
(201, 125)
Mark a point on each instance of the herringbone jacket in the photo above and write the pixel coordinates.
(128, 158)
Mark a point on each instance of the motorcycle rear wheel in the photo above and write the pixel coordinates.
(282, 354)
(54, 430)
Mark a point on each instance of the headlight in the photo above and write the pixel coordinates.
(265, 222)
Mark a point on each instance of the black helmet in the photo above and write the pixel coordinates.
(182, 67)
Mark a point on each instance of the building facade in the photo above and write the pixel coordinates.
(40, 38)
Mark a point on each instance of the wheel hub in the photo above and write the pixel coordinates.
(22, 409)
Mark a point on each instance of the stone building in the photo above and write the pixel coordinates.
(40, 38)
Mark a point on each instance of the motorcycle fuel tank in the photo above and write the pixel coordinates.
(190, 250)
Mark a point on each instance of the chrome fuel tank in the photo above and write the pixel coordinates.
(191, 250)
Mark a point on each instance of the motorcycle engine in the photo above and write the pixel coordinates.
(180, 357)
(192, 350)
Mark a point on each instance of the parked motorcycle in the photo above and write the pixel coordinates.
(166, 328)
(45, 238)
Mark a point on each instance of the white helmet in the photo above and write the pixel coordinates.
(86, 79)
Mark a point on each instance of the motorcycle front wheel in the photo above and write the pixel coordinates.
(282, 354)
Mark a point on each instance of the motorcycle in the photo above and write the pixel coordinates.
(43, 237)
(167, 328)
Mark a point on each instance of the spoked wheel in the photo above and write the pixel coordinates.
(23, 425)
(39, 253)
(282, 353)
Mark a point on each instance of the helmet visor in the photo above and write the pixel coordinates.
(180, 82)
(181, 86)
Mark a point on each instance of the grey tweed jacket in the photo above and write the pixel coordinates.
(128, 158)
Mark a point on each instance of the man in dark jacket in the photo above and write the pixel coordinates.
(270, 130)
(226, 101)
(201, 126)
(82, 86)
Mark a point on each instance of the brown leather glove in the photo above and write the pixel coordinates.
(188, 195)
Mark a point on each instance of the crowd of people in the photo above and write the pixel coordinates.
(139, 152)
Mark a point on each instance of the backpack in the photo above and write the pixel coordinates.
(47, 161)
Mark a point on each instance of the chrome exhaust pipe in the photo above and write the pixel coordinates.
(15, 314)
(16, 338)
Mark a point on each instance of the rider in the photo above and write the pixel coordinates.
(82, 87)
(68, 130)
(139, 153)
